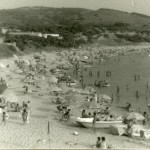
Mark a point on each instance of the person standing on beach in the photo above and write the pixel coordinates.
(112, 98)
(24, 116)
(26, 89)
(130, 128)
(95, 96)
(145, 118)
(94, 120)
(4, 118)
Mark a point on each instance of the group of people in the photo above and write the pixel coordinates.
(101, 83)
(65, 112)
(106, 116)
(25, 113)
(101, 143)
(108, 73)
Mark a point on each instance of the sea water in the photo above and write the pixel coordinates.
(123, 70)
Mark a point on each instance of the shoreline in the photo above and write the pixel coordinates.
(44, 110)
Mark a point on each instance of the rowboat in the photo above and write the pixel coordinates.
(88, 123)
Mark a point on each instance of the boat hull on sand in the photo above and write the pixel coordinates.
(88, 123)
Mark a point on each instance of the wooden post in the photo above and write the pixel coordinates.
(48, 132)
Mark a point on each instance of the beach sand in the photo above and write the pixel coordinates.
(16, 135)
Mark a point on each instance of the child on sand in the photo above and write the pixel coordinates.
(103, 143)
(98, 142)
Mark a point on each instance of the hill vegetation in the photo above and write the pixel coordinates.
(69, 22)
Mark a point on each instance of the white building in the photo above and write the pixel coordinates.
(52, 35)
(4, 30)
(26, 33)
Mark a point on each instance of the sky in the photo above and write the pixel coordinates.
(139, 6)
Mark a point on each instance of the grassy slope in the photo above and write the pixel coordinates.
(6, 51)
(50, 16)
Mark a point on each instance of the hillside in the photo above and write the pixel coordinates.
(102, 27)
(45, 16)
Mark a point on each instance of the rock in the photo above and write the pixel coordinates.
(75, 133)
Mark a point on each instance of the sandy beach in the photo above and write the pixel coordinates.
(15, 135)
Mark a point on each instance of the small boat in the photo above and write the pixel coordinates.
(88, 123)
(70, 80)
(103, 83)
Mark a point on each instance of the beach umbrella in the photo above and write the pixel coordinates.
(134, 115)
(72, 91)
(85, 57)
(52, 79)
(75, 97)
(84, 91)
(10, 97)
(15, 56)
(104, 96)
(69, 104)
(55, 89)
(2, 66)
(3, 86)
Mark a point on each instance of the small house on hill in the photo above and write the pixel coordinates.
(39, 34)
(52, 35)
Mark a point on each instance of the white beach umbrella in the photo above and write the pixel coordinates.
(55, 89)
(134, 115)
(10, 97)
(104, 96)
